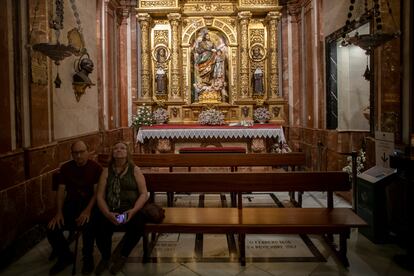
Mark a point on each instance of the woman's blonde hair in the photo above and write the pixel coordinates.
(129, 154)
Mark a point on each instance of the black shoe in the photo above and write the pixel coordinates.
(88, 266)
(61, 264)
(101, 267)
(118, 265)
(405, 261)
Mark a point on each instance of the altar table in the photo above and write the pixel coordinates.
(168, 136)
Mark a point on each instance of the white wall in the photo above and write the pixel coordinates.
(72, 118)
(353, 89)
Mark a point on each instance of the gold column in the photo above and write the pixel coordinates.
(273, 23)
(244, 18)
(144, 21)
(175, 68)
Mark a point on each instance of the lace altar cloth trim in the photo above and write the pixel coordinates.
(199, 131)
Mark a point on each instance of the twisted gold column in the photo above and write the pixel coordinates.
(273, 23)
(144, 21)
(244, 18)
(175, 67)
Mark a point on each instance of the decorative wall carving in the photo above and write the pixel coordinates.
(157, 3)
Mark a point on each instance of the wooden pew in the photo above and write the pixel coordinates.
(242, 221)
(234, 160)
(293, 161)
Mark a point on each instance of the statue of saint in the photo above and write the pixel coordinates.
(209, 66)
(257, 81)
(205, 58)
(161, 81)
(161, 55)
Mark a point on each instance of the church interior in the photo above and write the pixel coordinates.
(325, 80)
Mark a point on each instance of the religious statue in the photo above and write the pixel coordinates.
(257, 52)
(209, 68)
(257, 81)
(161, 55)
(161, 81)
(205, 58)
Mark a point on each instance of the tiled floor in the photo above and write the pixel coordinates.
(176, 253)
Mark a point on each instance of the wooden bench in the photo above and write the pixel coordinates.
(293, 161)
(212, 150)
(242, 221)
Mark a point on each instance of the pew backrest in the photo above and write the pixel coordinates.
(241, 182)
(294, 160)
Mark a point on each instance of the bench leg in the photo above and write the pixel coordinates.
(242, 248)
(343, 248)
(152, 197)
(145, 258)
(76, 237)
(233, 199)
(342, 251)
(170, 199)
(292, 197)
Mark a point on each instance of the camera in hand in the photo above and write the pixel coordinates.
(121, 218)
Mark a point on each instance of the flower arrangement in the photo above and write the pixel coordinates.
(160, 115)
(360, 160)
(281, 147)
(211, 117)
(143, 117)
(261, 114)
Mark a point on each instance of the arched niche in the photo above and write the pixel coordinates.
(221, 32)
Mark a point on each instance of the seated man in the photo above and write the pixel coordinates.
(75, 208)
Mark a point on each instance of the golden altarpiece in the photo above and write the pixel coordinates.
(198, 53)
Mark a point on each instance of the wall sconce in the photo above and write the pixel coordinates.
(58, 52)
(368, 42)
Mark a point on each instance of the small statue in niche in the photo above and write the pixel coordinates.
(245, 111)
(161, 81)
(161, 55)
(257, 52)
(257, 81)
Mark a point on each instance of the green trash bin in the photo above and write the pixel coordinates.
(372, 203)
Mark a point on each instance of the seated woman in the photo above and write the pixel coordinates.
(121, 194)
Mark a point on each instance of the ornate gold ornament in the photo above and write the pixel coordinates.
(161, 53)
(240, 29)
(257, 52)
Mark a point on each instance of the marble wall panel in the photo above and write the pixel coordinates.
(309, 67)
(11, 169)
(41, 199)
(13, 214)
(6, 82)
(39, 119)
(41, 159)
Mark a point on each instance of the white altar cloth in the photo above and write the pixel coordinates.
(199, 131)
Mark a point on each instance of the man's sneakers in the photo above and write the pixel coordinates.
(101, 267)
(118, 265)
(61, 264)
(88, 266)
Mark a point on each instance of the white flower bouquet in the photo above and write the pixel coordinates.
(160, 115)
(211, 117)
(143, 117)
(261, 114)
(360, 160)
